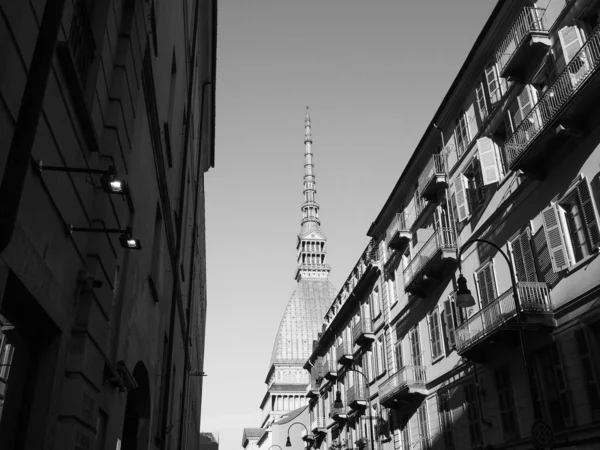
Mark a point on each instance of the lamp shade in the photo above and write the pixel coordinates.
(338, 400)
(464, 299)
(288, 443)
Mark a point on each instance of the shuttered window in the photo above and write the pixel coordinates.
(449, 326)
(481, 101)
(460, 194)
(571, 226)
(525, 101)
(522, 256)
(506, 404)
(473, 414)
(462, 134)
(489, 160)
(486, 284)
(445, 413)
(493, 85)
(398, 355)
(423, 426)
(472, 123)
(435, 334)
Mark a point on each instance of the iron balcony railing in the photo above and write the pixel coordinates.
(81, 39)
(441, 239)
(357, 393)
(435, 167)
(363, 326)
(317, 423)
(531, 19)
(406, 377)
(398, 224)
(583, 65)
(533, 297)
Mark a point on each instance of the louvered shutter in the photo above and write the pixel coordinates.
(472, 122)
(590, 214)
(491, 78)
(450, 152)
(525, 100)
(450, 325)
(555, 239)
(523, 257)
(487, 286)
(489, 163)
(570, 41)
(462, 205)
(481, 101)
(398, 354)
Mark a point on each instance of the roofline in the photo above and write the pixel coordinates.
(445, 101)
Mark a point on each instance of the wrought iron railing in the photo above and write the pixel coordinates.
(363, 326)
(441, 239)
(530, 19)
(406, 377)
(398, 224)
(436, 166)
(533, 297)
(356, 393)
(81, 39)
(583, 65)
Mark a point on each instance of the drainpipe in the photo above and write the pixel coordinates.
(19, 153)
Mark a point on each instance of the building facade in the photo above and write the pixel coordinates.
(107, 131)
(286, 379)
(500, 198)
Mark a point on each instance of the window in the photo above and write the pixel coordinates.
(398, 355)
(571, 226)
(493, 85)
(486, 284)
(445, 413)
(522, 257)
(416, 355)
(506, 405)
(462, 134)
(489, 161)
(423, 428)
(550, 384)
(381, 359)
(435, 335)
(571, 40)
(481, 101)
(472, 414)
(405, 437)
(588, 350)
(476, 193)
(459, 197)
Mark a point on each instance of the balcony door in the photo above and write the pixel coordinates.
(443, 225)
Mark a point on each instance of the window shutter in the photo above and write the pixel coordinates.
(486, 149)
(590, 215)
(491, 78)
(487, 287)
(450, 325)
(398, 353)
(481, 101)
(472, 122)
(523, 257)
(570, 41)
(555, 239)
(462, 205)
(450, 152)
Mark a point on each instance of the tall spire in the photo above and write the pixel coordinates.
(310, 208)
(312, 252)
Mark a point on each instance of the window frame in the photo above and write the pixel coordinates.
(433, 320)
(488, 265)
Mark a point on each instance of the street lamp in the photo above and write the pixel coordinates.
(274, 445)
(339, 404)
(288, 442)
(465, 299)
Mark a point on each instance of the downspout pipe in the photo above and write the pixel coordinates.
(19, 154)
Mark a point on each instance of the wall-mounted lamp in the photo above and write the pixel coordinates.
(126, 239)
(110, 183)
(464, 299)
(123, 379)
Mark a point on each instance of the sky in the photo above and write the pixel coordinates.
(373, 73)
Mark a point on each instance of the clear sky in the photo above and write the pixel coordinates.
(373, 73)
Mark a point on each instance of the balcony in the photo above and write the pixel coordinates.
(525, 45)
(496, 322)
(432, 261)
(329, 370)
(433, 178)
(344, 353)
(362, 332)
(357, 396)
(398, 234)
(318, 425)
(561, 110)
(403, 386)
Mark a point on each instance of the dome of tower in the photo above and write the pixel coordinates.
(302, 321)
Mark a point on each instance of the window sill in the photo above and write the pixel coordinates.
(584, 262)
(437, 359)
